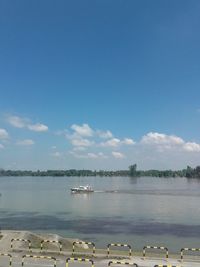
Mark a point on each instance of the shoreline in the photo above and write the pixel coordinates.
(67, 245)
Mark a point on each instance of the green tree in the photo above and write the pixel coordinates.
(133, 170)
(189, 172)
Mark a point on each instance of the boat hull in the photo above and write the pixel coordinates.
(79, 191)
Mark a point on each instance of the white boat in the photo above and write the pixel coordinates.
(82, 189)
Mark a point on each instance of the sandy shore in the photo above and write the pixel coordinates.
(7, 236)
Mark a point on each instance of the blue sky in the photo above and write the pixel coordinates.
(99, 84)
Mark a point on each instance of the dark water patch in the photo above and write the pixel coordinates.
(62, 213)
(18, 214)
(4, 212)
(91, 226)
(41, 222)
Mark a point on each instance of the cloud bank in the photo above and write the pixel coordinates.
(88, 147)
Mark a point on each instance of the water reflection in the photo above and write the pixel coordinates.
(193, 180)
(81, 198)
(133, 180)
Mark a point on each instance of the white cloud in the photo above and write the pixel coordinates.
(92, 155)
(161, 139)
(80, 131)
(114, 142)
(53, 147)
(128, 141)
(191, 147)
(25, 142)
(77, 138)
(118, 155)
(3, 134)
(83, 130)
(104, 134)
(96, 155)
(164, 143)
(81, 142)
(1, 146)
(89, 155)
(25, 123)
(38, 127)
(17, 121)
(56, 154)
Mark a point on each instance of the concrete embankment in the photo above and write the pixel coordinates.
(20, 247)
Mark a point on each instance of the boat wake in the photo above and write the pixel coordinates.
(106, 191)
(153, 192)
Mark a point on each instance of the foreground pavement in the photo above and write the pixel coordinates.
(59, 260)
(21, 256)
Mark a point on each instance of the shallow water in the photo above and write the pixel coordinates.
(140, 211)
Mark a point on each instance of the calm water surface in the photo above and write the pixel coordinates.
(153, 211)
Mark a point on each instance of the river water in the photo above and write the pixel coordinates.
(140, 211)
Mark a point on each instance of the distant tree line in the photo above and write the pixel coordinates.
(188, 172)
(132, 171)
(59, 173)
